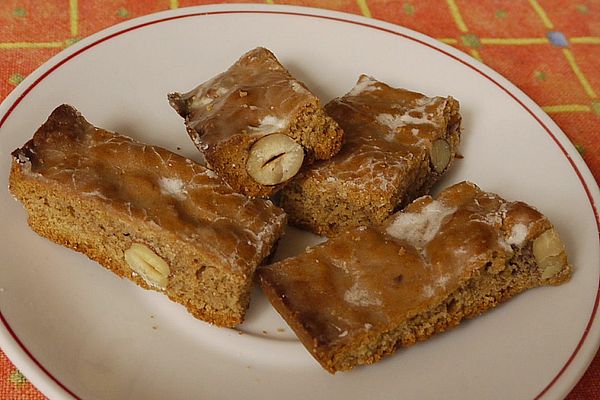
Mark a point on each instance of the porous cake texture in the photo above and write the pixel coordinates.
(257, 125)
(370, 290)
(146, 214)
(397, 144)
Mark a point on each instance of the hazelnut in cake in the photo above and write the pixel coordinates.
(370, 290)
(257, 125)
(146, 214)
(397, 144)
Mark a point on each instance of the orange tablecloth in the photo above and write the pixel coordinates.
(550, 49)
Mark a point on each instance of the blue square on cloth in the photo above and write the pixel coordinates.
(557, 38)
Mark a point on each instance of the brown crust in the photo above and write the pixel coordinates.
(102, 227)
(368, 291)
(361, 185)
(223, 117)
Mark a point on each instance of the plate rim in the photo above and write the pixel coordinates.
(49, 385)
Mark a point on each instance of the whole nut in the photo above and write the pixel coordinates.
(153, 269)
(440, 155)
(274, 159)
(549, 253)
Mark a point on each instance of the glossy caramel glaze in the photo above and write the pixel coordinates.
(368, 281)
(149, 183)
(387, 132)
(255, 96)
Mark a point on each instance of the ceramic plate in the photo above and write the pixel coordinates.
(77, 331)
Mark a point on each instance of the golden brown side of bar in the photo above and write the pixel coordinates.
(368, 291)
(145, 213)
(397, 144)
(257, 125)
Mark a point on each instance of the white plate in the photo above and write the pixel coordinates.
(77, 331)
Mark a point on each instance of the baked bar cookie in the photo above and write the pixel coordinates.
(257, 125)
(397, 145)
(370, 290)
(146, 214)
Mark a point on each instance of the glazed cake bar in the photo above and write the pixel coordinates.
(397, 145)
(146, 214)
(257, 125)
(370, 290)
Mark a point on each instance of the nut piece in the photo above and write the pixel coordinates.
(440, 155)
(549, 252)
(153, 269)
(274, 159)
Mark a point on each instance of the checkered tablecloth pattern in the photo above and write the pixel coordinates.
(550, 49)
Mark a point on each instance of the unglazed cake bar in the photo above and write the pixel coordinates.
(370, 290)
(257, 125)
(146, 214)
(397, 144)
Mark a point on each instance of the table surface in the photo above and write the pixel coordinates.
(549, 49)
